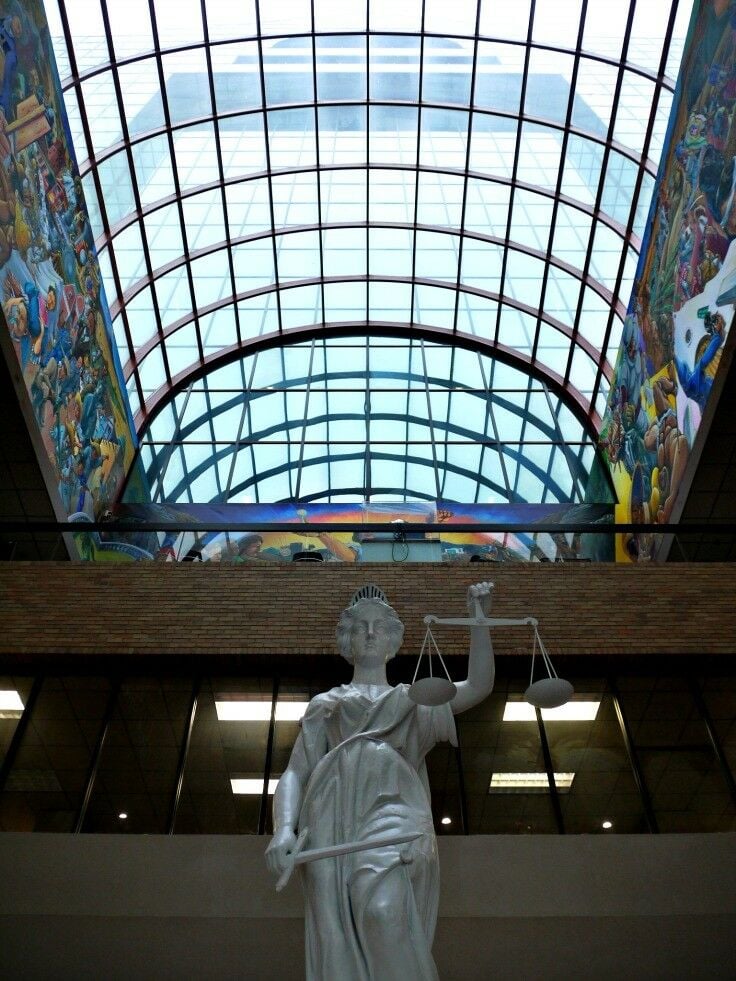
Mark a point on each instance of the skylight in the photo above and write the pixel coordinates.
(468, 169)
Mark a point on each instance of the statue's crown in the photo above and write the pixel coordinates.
(369, 591)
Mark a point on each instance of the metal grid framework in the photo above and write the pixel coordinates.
(367, 419)
(305, 167)
(459, 168)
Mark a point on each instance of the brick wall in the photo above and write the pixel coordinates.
(64, 608)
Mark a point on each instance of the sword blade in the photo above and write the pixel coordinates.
(332, 851)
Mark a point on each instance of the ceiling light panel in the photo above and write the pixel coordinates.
(528, 783)
(575, 711)
(251, 710)
(252, 786)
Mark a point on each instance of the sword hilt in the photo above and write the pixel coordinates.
(291, 859)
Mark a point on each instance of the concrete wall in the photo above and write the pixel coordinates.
(192, 608)
(598, 907)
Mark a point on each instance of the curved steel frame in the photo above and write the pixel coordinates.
(183, 431)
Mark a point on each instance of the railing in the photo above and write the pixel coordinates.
(330, 541)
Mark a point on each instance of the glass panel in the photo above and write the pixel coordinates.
(101, 105)
(719, 695)
(139, 85)
(87, 28)
(635, 107)
(130, 26)
(557, 24)
(508, 21)
(295, 199)
(603, 788)
(196, 156)
(394, 68)
(211, 275)
(605, 25)
(116, 186)
(178, 23)
(163, 232)
(386, 15)
(492, 747)
(129, 255)
(204, 219)
(45, 787)
(291, 82)
(174, 295)
(284, 16)
(137, 769)
(548, 84)
(187, 85)
(227, 20)
(679, 766)
(153, 170)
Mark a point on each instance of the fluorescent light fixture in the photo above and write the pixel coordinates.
(11, 704)
(575, 711)
(290, 711)
(528, 783)
(258, 710)
(252, 786)
(446, 820)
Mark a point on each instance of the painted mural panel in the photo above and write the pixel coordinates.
(364, 544)
(682, 303)
(52, 296)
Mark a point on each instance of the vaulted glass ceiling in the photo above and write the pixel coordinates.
(367, 419)
(278, 169)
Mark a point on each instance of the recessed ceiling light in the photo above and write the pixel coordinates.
(607, 825)
(258, 710)
(252, 786)
(575, 711)
(11, 704)
(525, 783)
(123, 815)
(446, 820)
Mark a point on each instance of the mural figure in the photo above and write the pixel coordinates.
(357, 772)
(698, 381)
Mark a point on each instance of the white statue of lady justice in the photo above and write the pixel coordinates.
(357, 775)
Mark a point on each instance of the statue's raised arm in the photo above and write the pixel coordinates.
(481, 665)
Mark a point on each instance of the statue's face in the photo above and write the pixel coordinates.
(372, 636)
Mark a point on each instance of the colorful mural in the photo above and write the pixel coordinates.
(366, 544)
(682, 303)
(52, 296)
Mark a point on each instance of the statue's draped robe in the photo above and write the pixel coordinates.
(368, 778)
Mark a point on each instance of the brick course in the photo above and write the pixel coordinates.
(65, 608)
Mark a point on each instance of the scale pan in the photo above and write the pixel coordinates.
(549, 693)
(432, 691)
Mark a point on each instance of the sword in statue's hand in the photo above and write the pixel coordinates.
(299, 857)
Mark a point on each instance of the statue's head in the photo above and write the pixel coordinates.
(369, 630)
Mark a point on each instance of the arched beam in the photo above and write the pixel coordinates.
(569, 395)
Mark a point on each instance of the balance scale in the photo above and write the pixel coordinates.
(546, 693)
